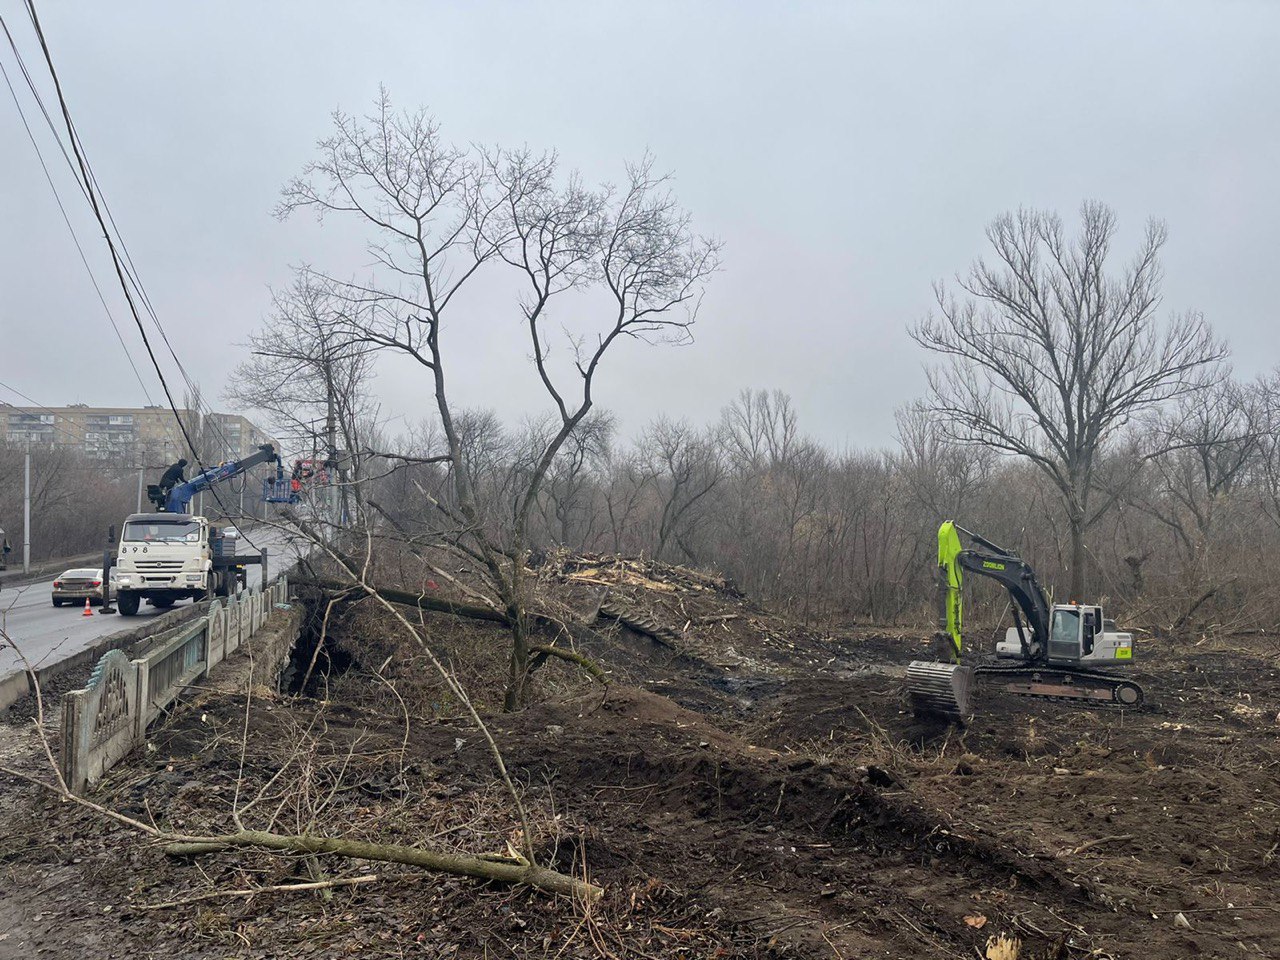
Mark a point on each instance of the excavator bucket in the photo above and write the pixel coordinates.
(940, 690)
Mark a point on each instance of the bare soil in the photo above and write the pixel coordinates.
(745, 787)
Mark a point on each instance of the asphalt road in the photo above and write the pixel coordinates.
(46, 634)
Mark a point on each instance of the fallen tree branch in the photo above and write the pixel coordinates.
(585, 662)
(1088, 845)
(405, 598)
(253, 891)
(506, 870)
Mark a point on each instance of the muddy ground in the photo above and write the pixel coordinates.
(743, 788)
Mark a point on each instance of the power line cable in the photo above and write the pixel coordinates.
(35, 93)
(89, 185)
(130, 270)
(74, 239)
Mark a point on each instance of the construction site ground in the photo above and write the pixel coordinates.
(744, 787)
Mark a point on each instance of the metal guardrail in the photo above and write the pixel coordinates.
(105, 720)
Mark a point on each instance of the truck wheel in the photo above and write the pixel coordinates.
(57, 603)
(127, 603)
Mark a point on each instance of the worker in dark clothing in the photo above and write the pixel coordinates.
(173, 476)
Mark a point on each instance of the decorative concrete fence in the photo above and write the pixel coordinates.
(110, 716)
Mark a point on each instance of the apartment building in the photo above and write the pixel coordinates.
(146, 436)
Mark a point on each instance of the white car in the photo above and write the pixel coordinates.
(74, 586)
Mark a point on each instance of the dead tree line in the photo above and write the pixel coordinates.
(830, 537)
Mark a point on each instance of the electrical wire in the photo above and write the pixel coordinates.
(89, 183)
(35, 93)
(53, 413)
(131, 272)
(70, 229)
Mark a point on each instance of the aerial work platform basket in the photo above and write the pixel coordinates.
(279, 490)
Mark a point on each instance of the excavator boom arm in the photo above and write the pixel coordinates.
(1013, 573)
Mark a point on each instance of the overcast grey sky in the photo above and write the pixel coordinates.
(846, 153)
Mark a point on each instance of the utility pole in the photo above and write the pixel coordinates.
(331, 438)
(141, 470)
(26, 513)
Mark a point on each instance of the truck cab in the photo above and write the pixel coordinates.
(163, 558)
(1078, 633)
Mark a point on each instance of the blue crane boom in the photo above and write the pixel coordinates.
(178, 498)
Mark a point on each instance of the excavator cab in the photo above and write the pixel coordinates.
(1070, 633)
(1078, 634)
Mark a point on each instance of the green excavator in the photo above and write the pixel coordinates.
(1052, 651)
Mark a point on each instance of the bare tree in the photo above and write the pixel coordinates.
(628, 478)
(1047, 356)
(567, 509)
(624, 260)
(303, 374)
(687, 467)
(1268, 390)
(941, 475)
(1218, 433)
(758, 430)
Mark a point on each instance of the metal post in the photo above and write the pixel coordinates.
(264, 568)
(332, 501)
(26, 514)
(200, 504)
(108, 558)
(141, 470)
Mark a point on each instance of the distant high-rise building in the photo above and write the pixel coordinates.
(145, 436)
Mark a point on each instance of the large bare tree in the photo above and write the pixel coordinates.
(611, 263)
(1048, 353)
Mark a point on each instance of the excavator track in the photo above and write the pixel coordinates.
(1066, 684)
(943, 690)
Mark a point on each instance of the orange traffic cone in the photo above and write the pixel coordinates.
(87, 611)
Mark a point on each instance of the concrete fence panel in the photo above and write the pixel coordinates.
(105, 720)
(174, 664)
(216, 642)
(234, 606)
(99, 723)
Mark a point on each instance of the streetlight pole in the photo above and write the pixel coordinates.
(26, 512)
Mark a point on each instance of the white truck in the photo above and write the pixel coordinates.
(167, 557)
(172, 555)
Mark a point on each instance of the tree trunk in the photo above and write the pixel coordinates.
(515, 696)
(1076, 592)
